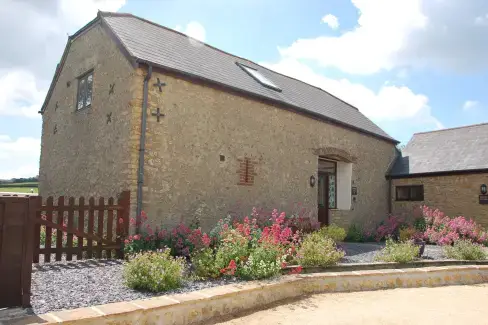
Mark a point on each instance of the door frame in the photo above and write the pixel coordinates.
(326, 199)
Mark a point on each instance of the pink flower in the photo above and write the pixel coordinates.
(121, 220)
(143, 215)
(132, 221)
(296, 270)
(137, 237)
(126, 241)
(206, 240)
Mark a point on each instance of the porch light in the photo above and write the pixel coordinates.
(483, 189)
(312, 181)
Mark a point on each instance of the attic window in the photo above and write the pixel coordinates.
(259, 77)
(85, 90)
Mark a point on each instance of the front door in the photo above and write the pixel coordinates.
(323, 198)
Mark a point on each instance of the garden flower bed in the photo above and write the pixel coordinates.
(185, 259)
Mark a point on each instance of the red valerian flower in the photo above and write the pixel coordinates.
(296, 270)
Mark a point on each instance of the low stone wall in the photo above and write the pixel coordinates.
(205, 304)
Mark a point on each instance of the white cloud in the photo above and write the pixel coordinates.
(442, 34)
(20, 94)
(193, 29)
(382, 28)
(389, 104)
(20, 157)
(470, 104)
(331, 20)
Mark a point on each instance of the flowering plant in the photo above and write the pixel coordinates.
(389, 228)
(442, 230)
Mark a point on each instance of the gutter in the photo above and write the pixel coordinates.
(142, 147)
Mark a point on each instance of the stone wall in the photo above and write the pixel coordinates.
(455, 195)
(193, 163)
(89, 155)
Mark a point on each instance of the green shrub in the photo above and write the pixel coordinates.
(407, 233)
(154, 271)
(336, 233)
(465, 250)
(398, 252)
(204, 264)
(263, 262)
(354, 233)
(419, 224)
(233, 246)
(317, 250)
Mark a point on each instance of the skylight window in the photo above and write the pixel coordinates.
(259, 77)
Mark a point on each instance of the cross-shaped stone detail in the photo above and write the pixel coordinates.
(160, 85)
(111, 91)
(158, 114)
(109, 117)
(56, 107)
(55, 130)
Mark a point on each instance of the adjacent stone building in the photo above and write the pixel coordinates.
(444, 169)
(195, 131)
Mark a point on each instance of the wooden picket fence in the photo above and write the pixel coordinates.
(83, 230)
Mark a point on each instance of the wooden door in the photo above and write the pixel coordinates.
(323, 198)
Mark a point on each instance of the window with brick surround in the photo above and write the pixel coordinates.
(410, 193)
(246, 171)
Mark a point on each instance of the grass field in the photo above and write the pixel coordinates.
(19, 187)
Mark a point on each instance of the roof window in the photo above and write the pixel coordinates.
(255, 74)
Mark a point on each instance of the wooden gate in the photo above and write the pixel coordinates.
(92, 230)
(16, 243)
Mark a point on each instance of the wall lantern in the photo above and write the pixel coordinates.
(483, 189)
(312, 181)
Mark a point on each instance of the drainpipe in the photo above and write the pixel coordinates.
(142, 147)
(390, 209)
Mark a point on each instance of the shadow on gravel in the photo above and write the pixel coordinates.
(83, 264)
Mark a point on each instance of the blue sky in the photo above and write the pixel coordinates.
(409, 65)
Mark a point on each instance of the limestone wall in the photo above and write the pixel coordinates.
(195, 154)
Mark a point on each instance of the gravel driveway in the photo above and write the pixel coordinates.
(366, 252)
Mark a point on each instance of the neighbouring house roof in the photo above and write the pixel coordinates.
(450, 151)
(148, 43)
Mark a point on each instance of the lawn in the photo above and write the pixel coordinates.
(19, 187)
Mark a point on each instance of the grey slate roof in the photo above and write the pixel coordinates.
(150, 43)
(457, 149)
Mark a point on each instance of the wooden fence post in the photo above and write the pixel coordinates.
(123, 228)
(30, 225)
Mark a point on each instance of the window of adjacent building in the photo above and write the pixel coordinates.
(410, 193)
(85, 91)
(259, 77)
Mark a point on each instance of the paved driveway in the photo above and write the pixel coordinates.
(442, 305)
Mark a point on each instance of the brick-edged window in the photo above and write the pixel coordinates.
(246, 171)
(85, 91)
(410, 193)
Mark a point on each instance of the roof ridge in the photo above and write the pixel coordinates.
(122, 14)
(453, 128)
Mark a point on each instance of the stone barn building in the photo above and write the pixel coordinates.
(193, 130)
(445, 169)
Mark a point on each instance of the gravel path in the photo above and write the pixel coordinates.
(74, 284)
(68, 285)
(366, 252)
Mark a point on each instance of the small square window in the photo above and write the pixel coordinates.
(410, 193)
(85, 91)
